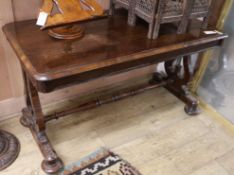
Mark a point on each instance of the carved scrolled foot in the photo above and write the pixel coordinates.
(157, 78)
(52, 166)
(192, 104)
(51, 163)
(24, 122)
(24, 119)
(183, 93)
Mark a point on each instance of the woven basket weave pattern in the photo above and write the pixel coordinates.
(146, 6)
(173, 8)
(123, 2)
(200, 5)
(157, 12)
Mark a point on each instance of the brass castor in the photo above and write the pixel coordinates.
(52, 166)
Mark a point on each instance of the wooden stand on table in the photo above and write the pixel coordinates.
(67, 32)
(60, 22)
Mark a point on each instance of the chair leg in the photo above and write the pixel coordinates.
(206, 18)
(131, 18)
(205, 23)
(183, 26)
(111, 8)
(187, 12)
(151, 30)
(156, 30)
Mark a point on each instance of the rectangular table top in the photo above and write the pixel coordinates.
(109, 46)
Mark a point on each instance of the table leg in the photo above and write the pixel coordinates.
(184, 94)
(180, 85)
(33, 118)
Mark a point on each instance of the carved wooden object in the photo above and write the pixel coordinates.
(103, 51)
(70, 11)
(9, 149)
(157, 12)
(63, 12)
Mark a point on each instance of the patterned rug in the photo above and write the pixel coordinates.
(102, 162)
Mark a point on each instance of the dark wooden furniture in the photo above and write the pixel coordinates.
(109, 47)
(9, 149)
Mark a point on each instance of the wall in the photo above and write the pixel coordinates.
(5, 16)
(11, 86)
(217, 87)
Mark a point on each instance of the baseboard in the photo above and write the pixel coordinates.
(11, 107)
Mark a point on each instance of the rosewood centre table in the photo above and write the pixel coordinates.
(109, 47)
